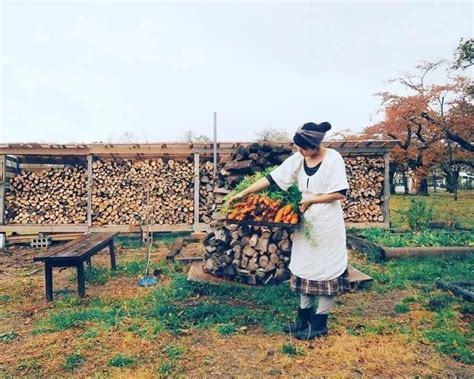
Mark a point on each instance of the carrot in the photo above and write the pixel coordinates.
(294, 219)
(287, 209)
(279, 215)
(287, 218)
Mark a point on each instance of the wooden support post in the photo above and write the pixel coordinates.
(113, 264)
(81, 280)
(3, 179)
(196, 191)
(386, 189)
(48, 277)
(89, 190)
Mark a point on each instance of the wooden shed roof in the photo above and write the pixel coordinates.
(174, 149)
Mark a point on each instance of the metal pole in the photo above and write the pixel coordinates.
(215, 144)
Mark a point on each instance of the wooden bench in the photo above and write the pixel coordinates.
(74, 254)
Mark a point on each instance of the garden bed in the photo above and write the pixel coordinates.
(381, 244)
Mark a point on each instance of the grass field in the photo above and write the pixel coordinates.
(459, 212)
(400, 325)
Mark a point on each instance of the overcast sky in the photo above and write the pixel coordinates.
(84, 72)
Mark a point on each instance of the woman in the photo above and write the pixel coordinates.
(319, 257)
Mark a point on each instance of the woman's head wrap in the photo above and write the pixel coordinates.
(310, 135)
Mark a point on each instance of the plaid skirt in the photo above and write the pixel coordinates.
(336, 286)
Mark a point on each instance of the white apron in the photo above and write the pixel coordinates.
(319, 247)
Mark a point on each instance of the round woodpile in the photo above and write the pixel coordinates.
(248, 254)
(52, 196)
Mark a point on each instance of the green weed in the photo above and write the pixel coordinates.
(165, 368)
(8, 337)
(121, 360)
(174, 351)
(90, 333)
(291, 350)
(73, 361)
(401, 308)
(226, 329)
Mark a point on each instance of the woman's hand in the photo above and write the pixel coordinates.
(235, 198)
(304, 205)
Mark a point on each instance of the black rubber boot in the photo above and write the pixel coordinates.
(302, 322)
(316, 328)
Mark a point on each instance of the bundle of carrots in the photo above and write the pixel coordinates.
(262, 208)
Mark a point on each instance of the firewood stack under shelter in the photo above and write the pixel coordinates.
(98, 187)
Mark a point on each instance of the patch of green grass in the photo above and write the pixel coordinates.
(447, 334)
(8, 337)
(90, 333)
(97, 275)
(129, 242)
(291, 350)
(174, 351)
(448, 339)
(439, 302)
(379, 327)
(401, 308)
(446, 209)
(121, 360)
(5, 298)
(73, 361)
(402, 273)
(168, 238)
(68, 318)
(226, 329)
(165, 368)
(421, 238)
(28, 364)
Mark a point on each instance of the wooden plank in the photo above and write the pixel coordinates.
(89, 190)
(116, 228)
(43, 228)
(362, 225)
(31, 159)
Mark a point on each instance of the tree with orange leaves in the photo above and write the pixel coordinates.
(434, 125)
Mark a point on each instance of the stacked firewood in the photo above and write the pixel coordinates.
(50, 196)
(135, 192)
(366, 180)
(249, 254)
(207, 197)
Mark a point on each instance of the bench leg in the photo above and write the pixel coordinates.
(48, 276)
(81, 281)
(112, 255)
